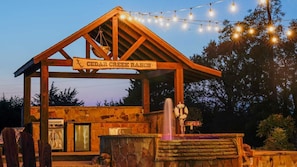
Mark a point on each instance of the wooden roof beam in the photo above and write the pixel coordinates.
(133, 48)
(96, 47)
(91, 75)
(115, 37)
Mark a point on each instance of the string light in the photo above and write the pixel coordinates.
(191, 14)
(217, 28)
(238, 28)
(274, 39)
(163, 19)
(200, 28)
(185, 25)
(271, 29)
(262, 2)
(210, 12)
(235, 36)
(209, 26)
(175, 17)
(233, 7)
(251, 31)
(289, 33)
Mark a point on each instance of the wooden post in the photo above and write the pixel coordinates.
(179, 85)
(115, 37)
(44, 102)
(146, 95)
(178, 91)
(27, 100)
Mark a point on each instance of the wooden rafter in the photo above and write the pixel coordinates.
(96, 47)
(132, 49)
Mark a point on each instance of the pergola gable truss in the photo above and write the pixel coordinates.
(129, 41)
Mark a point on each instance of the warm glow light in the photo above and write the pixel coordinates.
(235, 35)
(289, 33)
(251, 31)
(274, 39)
(271, 28)
(149, 20)
(185, 25)
(200, 29)
(211, 12)
(217, 28)
(175, 17)
(233, 7)
(130, 18)
(122, 16)
(209, 27)
(167, 24)
(191, 15)
(262, 2)
(238, 28)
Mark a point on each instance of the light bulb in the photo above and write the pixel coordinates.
(274, 39)
(122, 16)
(235, 35)
(209, 27)
(289, 33)
(200, 29)
(175, 17)
(262, 2)
(191, 15)
(217, 28)
(211, 12)
(238, 28)
(251, 31)
(185, 25)
(271, 28)
(233, 7)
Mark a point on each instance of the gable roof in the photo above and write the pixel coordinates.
(134, 41)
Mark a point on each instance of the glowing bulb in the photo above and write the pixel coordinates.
(211, 12)
(251, 31)
(175, 17)
(191, 15)
(217, 28)
(274, 39)
(238, 28)
(200, 29)
(130, 18)
(289, 33)
(156, 19)
(235, 35)
(167, 24)
(233, 7)
(262, 2)
(149, 20)
(209, 27)
(271, 28)
(185, 25)
(122, 16)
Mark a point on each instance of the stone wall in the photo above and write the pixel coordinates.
(99, 118)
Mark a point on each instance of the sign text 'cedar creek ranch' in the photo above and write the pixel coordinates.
(82, 63)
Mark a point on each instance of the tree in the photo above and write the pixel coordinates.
(259, 77)
(278, 132)
(10, 112)
(159, 90)
(60, 98)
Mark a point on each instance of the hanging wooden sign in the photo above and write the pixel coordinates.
(82, 63)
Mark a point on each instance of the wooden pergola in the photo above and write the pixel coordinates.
(127, 42)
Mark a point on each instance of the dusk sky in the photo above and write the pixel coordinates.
(31, 26)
